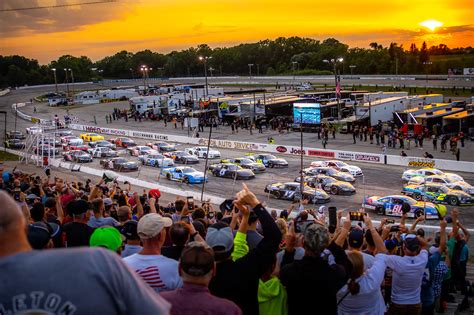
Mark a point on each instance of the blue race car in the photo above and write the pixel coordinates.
(392, 206)
(184, 174)
(438, 193)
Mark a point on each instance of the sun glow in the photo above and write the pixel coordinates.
(431, 24)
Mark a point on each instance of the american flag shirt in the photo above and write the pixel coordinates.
(159, 272)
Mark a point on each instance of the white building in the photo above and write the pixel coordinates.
(370, 97)
(94, 97)
(381, 109)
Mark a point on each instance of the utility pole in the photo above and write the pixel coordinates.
(205, 59)
(250, 70)
(67, 83)
(337, 82)
(55, 80)
(301, 156)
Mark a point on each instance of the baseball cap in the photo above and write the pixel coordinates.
(107, 202)
(39, 234)
(356, 238)
(197, 259)
(316, 238)
(129, 230)
(227, 205)
(154, 193)
(108, 237)
(150, 225)
(220, 235)
(78, 207)
(411, 242)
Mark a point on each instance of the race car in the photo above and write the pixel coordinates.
(15, 134)
(201, 152)
(247, 163)
(463, 186)
(102, 152)
(184, 174)
(77, 156)
(438, 193)
(156, 160)
(291, 191)
(14, 144)
(324, 170)
(102, 143)
(340, 166)
(80, 147)
(119, 164)
(91, 137)
(448, 181)
(72, 140)
(161, 146)
(123, 142)
(51, 142)
(141, 150)
(268, 160)
(233, 171)
(392, 206)
(45, 150)
(182, 157)
(422, 172)
(34, 130)
(63, 133)
(328, 184)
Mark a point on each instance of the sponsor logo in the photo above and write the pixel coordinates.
(321, 153)
(367, 158)
(345, 156)
(422, 163)
(106, 131)
(297, 151)
(281, 149)
(229, 144)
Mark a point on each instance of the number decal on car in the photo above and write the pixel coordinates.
(441, 197)
(222, 172)
(397, 209)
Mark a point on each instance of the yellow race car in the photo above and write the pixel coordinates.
(91, 137)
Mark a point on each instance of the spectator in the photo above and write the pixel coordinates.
(160, 272)
(196, 268)
(98, 219)
(355, 242)
(77, 232)
(253, 237)
(132, 245)
(179, 234)
(107, 237)
(238, 280)
(35, 268)
(403, 153)
(427, 155)
(272, 297)
(41, 234)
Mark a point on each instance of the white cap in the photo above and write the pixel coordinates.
(150, 225)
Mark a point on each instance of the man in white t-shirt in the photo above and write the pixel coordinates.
(407, 276)
(161, 273)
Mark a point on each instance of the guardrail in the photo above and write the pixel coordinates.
(4, 92)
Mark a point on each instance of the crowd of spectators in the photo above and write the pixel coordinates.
(106, 248)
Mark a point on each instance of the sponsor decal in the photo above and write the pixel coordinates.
(116, 132)
(422, 163)
(281, 149)
(297, 151)
(367, 158)
(345, 155)
(321, 153)
(230, 144)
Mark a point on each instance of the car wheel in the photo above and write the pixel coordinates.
(334, 190)
(419, 213)
(204, 155)
(453, 201)
(417, 196)
(168, 176)
(271, 165)
(277, 194)
(380, 210)
(186, 180)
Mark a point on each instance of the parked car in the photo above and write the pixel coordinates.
(161, 146)
(123, 142)
(268, 160)
(201, 152)
(91, 137)
(184, 174)
(182, 157)
(233, 171)
(14, 144)
(119, 164)
(438, 193)
(340, 166)
(15, 134)
(77, 156)
(156, 160)
(247, 163)
(291, 191)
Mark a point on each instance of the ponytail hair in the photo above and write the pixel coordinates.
(357, 270)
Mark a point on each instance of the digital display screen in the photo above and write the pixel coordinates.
(310, 113)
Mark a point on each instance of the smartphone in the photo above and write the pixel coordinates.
(357, 216)
(390, 221)
(210, 215)
(190, 201)
(448, 219)
(395, 228)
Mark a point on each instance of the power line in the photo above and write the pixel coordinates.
(56, 6)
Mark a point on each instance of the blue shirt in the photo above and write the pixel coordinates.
(108, 221)
(427, 292)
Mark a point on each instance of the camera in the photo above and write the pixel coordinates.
(357, 216)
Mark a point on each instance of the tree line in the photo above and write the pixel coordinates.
(293, 55)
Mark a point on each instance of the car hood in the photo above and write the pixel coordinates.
(278, 161)
(460, 194)
(195, 174)
(344, 175)
(353, 168)
(317, 192)
(346, 185)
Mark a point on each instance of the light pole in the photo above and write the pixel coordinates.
(337, 81)
(72, 81)
(250, 70)
(295, 66)
(131, 71)
(55, 80)
(67, 83)
(205, 59)
(352, 68)
(258, 69)
(144, 69)
(427, 64)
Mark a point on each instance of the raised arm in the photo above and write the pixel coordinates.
(442, 236)
(379, 244)
(467, 235)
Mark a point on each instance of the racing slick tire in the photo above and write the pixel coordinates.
(417, 197)
(334, 190)
(380, 210)
(277, 194)
(168, 176)
(419, 213)
(186, 180)
(453, 201)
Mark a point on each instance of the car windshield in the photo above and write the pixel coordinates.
(120, 160)
(188, 170)
(269, 157)
(93, 134)
(340, 164)
(232, 167)
(245, 161)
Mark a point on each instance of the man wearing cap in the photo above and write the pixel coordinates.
(132, 245)
(196, 268)
(107, 237)
(238, 281)
(355, 242)
(407, 274)
(77, 232)
(92, 280)
(98, 219)
(160, 272)
(40, 234)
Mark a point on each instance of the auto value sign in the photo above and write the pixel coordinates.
(231, 144)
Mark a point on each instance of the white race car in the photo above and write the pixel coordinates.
(141, 150)
(33, 130)
(202, 152)
(340, 166)
(448, 181)
(421, 172)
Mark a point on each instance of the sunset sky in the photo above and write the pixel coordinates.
(165, 25)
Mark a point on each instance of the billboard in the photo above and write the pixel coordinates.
(468, 71)
(310, 113)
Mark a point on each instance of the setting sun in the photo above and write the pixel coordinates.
(431, 24)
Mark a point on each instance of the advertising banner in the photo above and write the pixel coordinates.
(468, 71)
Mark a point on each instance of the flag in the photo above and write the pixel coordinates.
(338, 87)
